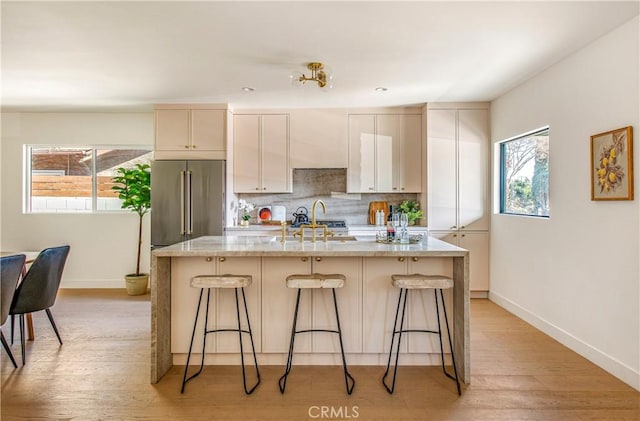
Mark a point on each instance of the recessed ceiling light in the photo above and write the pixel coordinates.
(381, 89)
(248, 89)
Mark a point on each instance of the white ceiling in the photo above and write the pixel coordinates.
(130, 55)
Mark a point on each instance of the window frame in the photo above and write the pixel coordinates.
(502, 172)
(27, 175)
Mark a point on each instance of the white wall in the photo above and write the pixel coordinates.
(103, 245)
(576, 275)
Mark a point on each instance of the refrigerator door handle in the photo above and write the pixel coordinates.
(182, 230)
(190, 210)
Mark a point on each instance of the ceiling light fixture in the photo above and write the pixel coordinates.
(319, 74)
(381, 89)
(248, 89)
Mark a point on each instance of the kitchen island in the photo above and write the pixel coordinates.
(367, 302)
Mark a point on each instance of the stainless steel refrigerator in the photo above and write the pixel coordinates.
(187, 200)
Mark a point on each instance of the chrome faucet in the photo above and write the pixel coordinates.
(313, 225)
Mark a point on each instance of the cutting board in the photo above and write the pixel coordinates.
(373, 207)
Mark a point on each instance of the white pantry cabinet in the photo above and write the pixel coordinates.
(458, 168)
(222, 311)
(261, 153)
(478, 245)
(190, 132)
(385, 153)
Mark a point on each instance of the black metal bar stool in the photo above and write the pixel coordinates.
(311, 281)
(418, 281)
(238, 282)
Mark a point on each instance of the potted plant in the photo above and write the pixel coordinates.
(133, 186)
(411, 208)
(246, 208)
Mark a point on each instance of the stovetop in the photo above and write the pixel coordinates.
(330, 223)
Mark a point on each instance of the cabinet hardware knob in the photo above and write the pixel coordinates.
(395, 188)
(462, 227)
(318, 259)
(453, 227)
(193, 146)
(415, 259)
(304, 259)
(400, 259)
(455, 235)
(402, 188)
(208, 259)
(370, 188)
(257, 188)
(186, 146)
(264, 188)
(463, 235)
(222, 259)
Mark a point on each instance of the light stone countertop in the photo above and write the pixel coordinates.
(271, 246)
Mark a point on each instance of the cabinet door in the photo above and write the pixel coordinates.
(225, 310)
(441, 168)
(478, 245)
(246, 153)
(411, 154)
(276, 171)
(349, 306)
(184, 302)
(422, 312)
(387, 149)
(380, 300)
(208, 130)
(172, 130)
(278, 305)
(473, 169)
(362, 156)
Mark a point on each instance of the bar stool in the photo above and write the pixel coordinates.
(418, 281)
(310, 281)
(238, 282)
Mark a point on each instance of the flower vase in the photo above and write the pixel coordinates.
(244, 222)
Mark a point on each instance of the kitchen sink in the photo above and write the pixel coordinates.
(319, 238)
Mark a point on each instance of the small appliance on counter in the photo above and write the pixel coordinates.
(375, 207)
(278, 213)
(264, 214)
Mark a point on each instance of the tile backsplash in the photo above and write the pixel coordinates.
(329, 185)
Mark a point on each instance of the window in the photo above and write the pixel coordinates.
(76, 179)
(524, 174)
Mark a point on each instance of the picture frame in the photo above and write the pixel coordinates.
(612, 165)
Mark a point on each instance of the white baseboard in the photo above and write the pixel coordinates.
(599, 358)
(92, 283)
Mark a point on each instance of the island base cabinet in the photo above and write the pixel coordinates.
(381, 302)
(316, 310)
(421, 308)
(349, 300)
(222, 309)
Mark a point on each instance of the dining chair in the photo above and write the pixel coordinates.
(10, 271)
(39, 288)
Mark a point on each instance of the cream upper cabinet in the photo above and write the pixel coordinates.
(319, 138)
(261, 153)
(458, 169)
(385, 153)
(190, 133)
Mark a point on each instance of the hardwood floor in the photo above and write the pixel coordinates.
(102, 373)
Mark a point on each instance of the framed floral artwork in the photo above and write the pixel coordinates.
(612, 165)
